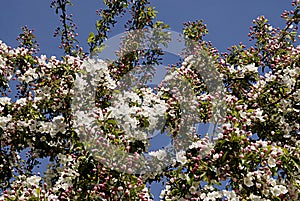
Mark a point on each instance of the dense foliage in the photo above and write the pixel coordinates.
(254, 153)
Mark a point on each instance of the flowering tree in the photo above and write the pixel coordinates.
(97, 148)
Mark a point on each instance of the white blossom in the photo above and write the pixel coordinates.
(248, 180)
(21, 101)
(271, 162)
(251, 67)
(160, 154)
(279, 189)
(180, 157)
(33, 180)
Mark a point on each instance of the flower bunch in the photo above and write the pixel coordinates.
(94, 128)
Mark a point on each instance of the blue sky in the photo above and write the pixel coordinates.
(227, 21)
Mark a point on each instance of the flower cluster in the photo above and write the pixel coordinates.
(139, 113)
(94, 127)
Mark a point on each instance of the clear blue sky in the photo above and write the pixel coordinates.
(227, 21)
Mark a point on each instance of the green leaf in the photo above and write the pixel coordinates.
(100, 48)
(295, 163)
(91, 38)
(111, 121)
